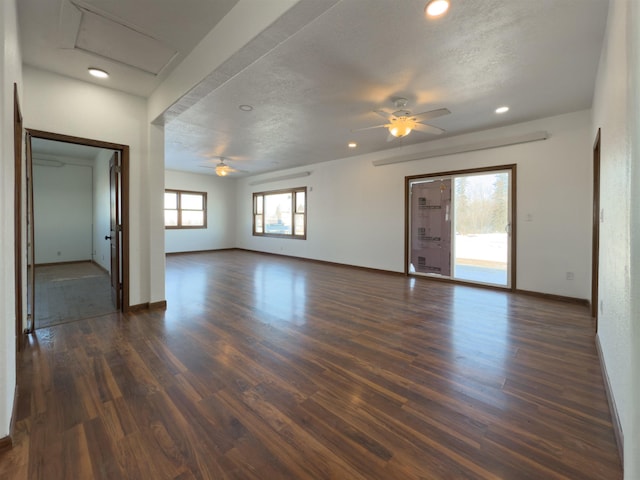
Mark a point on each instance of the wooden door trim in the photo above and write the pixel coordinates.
(18, 247)
(115, 227)
(124, 157)
(595, 245)
(30, 250)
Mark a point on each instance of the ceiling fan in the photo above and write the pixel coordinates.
(401, 122)
(222, 169)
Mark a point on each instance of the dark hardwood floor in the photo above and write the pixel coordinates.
(265, 367)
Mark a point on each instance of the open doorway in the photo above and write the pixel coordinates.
(459, 225)
(78, 253)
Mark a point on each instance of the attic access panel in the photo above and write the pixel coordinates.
(115, 41)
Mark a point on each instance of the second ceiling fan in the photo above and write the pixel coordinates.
(222, 169)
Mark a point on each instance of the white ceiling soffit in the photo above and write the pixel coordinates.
(113, 39)
(303, 13)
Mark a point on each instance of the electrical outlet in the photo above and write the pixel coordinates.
(569, 275)
(59, 253)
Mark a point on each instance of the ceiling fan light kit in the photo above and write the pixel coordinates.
(222, 169)
(401, 126)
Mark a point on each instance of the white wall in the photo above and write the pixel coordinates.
(356, 210)
(615, 111)
(63, 212)
(101, 210)
(63, 105)
(221, 213)
(10, 73)
(632, 463)
(155, 217)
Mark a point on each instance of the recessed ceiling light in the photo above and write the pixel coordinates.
(245, 108)
(98, 73)
(435, 8)
(502, 109)
(353, 144)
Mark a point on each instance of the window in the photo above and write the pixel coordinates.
(185, 209)
(280, 213)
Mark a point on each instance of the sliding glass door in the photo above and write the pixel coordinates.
(460, 225)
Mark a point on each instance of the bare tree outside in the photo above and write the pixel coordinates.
(481, 204)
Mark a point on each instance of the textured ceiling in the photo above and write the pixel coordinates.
(311, 91)
(317, 73)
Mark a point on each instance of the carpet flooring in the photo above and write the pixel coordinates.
(69, 292)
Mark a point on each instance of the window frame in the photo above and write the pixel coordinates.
(294, 212)
(178, 208)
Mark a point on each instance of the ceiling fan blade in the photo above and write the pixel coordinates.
(421, 127)
(384, 114)
(431, 114)
(369, 128)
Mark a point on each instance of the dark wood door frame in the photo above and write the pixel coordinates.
(124, 176)
(595, 245)
(18, 247)
(30, 251)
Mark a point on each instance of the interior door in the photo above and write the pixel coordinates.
(31, 263)
(115, 228)
(431, 227)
